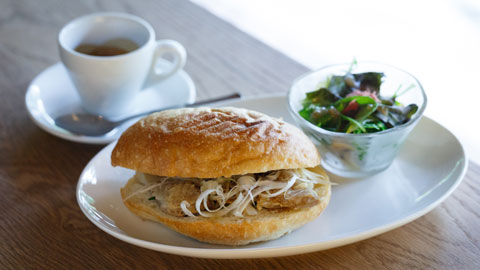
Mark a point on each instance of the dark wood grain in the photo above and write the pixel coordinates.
(41, 225)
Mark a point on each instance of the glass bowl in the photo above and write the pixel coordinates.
(358, 155)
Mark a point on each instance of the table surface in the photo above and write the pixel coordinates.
(41, 225)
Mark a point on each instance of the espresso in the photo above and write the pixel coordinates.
(112, 47)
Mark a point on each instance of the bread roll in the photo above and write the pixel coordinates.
(204, 143)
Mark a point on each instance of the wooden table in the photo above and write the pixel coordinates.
(41, 225)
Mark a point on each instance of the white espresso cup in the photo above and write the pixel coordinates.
(108, 84)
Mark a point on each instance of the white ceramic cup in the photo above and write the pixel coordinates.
(107, 84)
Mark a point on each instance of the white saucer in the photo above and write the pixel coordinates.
(429, 167)
(52, 94)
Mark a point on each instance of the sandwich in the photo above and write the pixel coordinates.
(225, 176)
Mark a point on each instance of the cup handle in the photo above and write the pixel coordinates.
(162, 48)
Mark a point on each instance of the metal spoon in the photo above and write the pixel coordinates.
(97, 125)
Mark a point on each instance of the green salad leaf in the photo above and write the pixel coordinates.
(321, 97)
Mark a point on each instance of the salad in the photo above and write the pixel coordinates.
(352, 103)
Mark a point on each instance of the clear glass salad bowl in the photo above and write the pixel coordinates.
(358, 155)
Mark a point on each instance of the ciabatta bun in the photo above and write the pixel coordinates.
(205, 143)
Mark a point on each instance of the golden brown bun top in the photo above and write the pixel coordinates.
(205, 143)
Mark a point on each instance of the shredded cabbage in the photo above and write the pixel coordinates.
(184, 206)
(248, 188)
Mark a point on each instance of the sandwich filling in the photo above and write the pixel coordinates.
(238, 195)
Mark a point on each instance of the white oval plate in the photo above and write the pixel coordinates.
(430, 165)
(51, 94)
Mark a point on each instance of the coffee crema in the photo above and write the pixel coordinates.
(111, 47)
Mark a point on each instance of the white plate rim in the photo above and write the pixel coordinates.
(233, 253)
(52, 129)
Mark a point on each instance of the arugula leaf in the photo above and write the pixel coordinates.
(354, 124)
(307, 111)
(371, 125)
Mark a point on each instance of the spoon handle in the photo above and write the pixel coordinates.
(199, 103)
